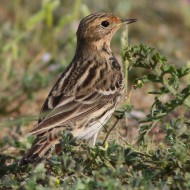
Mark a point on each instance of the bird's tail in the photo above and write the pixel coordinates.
(40, 147)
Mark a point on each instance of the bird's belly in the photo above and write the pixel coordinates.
(86, 132)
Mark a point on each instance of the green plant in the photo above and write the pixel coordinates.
(169, 80)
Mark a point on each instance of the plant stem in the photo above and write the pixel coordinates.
(124, 44)
(171, 88)
(107, 135)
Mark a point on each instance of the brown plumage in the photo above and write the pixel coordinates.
(86, 94)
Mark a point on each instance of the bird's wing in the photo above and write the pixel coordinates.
(76, 95)
(67, 112)
(54, 96)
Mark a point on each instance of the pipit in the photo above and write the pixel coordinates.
(86, 94)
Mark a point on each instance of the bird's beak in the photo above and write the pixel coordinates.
(128, 21)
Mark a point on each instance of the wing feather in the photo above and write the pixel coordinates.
(71, 112)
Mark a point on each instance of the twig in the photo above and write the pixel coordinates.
(108, 133)
(124, 44)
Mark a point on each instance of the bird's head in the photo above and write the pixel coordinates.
(100, 27)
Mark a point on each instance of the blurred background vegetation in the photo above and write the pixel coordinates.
(38, 41)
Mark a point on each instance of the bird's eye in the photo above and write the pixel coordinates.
(105, 23)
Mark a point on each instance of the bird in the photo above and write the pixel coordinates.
(87, 92)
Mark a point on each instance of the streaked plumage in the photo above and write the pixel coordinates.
(87, 92)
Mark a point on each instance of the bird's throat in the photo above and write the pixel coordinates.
(84, 49)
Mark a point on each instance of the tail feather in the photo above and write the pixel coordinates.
(40, 147)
